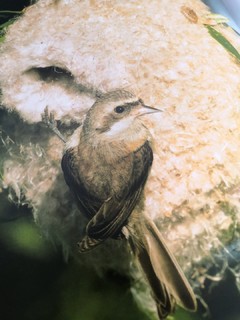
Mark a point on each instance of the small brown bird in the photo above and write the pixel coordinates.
(106, 165)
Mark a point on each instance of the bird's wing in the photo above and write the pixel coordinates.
(114, 212)
(88, 204)
(112, 216)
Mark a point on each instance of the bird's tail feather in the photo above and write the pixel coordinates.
(162, 271)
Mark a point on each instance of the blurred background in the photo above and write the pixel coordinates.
(36, 283)
(228, 8)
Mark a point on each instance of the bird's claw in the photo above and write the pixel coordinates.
(49, 119)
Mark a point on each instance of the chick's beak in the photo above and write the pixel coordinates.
(143, 109)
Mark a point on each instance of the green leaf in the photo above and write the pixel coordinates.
(223, 41)
(6, 24)
(9, 12)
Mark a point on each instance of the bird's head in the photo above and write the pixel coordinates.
(116, 116)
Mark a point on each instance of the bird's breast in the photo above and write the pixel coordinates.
(105, 171)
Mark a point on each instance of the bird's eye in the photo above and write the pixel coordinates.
(119, 109)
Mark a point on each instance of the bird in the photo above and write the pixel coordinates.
(106, 164)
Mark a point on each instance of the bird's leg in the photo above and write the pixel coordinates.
(49, 120)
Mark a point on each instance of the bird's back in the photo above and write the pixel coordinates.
(121, 181)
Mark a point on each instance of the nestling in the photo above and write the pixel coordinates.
(106, 165)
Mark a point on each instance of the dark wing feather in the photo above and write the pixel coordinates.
(108, 217)
(114, 212)
(112, 216)
(88, 204)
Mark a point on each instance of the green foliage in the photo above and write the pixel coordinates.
(223, 41)
(184, 315)
(10, 16)
(21, 236)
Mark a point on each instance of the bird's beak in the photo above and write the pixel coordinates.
(143, 109)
